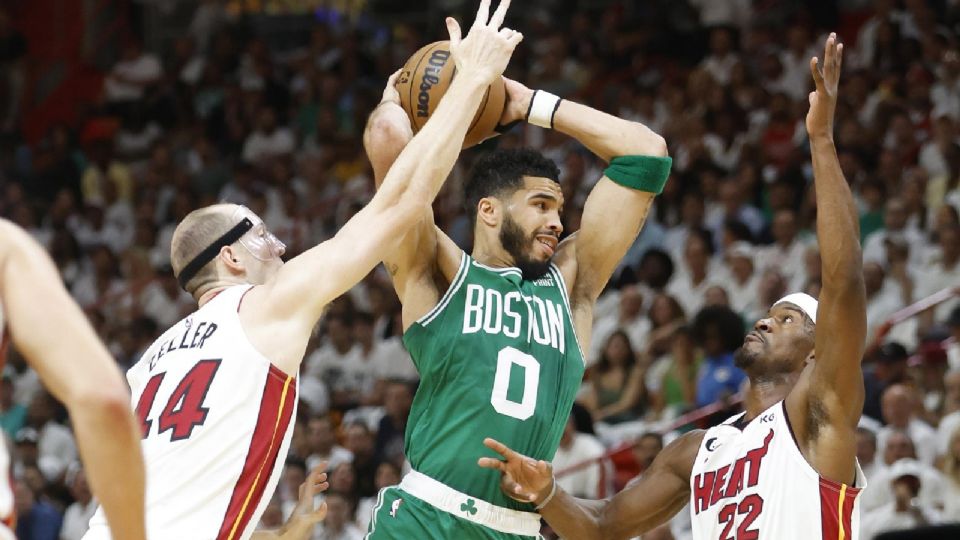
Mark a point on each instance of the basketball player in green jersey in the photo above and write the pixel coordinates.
(498, 335)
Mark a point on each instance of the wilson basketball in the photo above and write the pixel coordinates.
(425, 78)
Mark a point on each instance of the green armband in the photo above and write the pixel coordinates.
(643, 173)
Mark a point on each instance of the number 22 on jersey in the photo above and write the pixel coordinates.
(184, 410)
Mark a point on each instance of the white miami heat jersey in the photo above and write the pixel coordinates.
(7, 515)
(750, 482)
(217, 421)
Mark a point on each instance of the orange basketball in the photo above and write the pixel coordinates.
(425, 78)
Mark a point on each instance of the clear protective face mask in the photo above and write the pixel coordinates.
(260, 242)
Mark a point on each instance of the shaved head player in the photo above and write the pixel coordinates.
(786, 468)
(46, 326)
(216, 392)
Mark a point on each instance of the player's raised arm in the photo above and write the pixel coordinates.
(618, 205)
(424, 249)
(411, 183)
(649, 501)
(833, 399)
(52, 333)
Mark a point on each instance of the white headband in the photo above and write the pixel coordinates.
(804, 301)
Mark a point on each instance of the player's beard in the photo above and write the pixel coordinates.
(518, 245)
(744, 359)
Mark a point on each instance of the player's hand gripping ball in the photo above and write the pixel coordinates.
(425, 78)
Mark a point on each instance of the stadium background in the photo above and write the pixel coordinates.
(118, 117)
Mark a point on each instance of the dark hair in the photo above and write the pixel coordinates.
(582, 420)
(604, 365)
(363, 317)
(738, 230)
(501, 172)
(705, 236)
(657, 282)
(725, 322)
(296, 462)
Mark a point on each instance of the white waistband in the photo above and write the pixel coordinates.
(470, 508)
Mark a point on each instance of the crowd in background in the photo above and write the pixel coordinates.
(222, 113)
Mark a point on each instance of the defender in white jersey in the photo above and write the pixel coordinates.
(216, 392)
(786, 468)
(40, 319)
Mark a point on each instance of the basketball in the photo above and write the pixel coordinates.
(425, 78)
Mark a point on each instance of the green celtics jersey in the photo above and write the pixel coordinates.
(498, 357)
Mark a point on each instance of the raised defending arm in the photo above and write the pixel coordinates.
(832, 401)
(298, 292)
(52, 333)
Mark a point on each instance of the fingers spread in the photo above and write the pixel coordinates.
(453, 28)
(498, 447)
(815, 71)
(500, 14)
(490, 463)
(483, 14)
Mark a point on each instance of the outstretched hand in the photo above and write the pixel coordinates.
(306, 512)
(823, 100)
(524, 479)
(487, 48)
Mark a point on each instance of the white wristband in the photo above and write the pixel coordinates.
(553, 491)
(543, 107)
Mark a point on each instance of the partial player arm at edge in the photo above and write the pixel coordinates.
(304, 517)
(49, 329)
(649, 501)
(613, 214)
(310, 281)
(415, 253)
(655, 497)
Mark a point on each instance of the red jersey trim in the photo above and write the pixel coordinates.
(276, 408)
(836, 509)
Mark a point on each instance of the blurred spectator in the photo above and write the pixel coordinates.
(133, 75)
(950, 422)
(741, 284)
(953, 348)
(338, 525)
(577, 446)
(900, 412)
(288, 490)
(942, 270)
(323, 445)
(672, 380)
(628, 318)
(867, 453)
(721, 332)
(397, 399)
(906, 510)
(12, 414)
(895, 229)
(54, 441)
(888, 367)
(787, 251)
(337, 362)
(696, 274)
(359, 441)
(951, 473)
(388, 474)
(616, 392)
(901, 448)
(36, 519)
(77, 517)
(268, 141)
